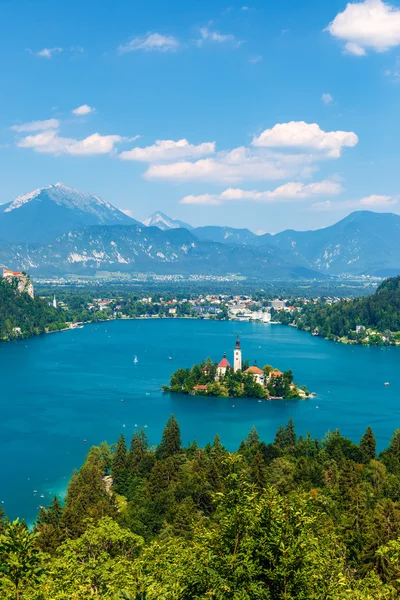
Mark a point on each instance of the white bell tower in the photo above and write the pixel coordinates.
(237, 356)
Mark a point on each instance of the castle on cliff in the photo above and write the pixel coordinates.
(24, 284)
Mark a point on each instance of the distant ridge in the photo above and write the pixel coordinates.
(38, 231)
(162, 221)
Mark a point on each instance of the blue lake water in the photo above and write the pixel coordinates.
(60, 389)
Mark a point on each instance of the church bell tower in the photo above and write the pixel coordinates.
(237, 356)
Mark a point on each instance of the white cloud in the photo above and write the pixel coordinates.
(85, 109)
(151, 42)
(288, 191)
(208, 35)
(236, 165)
(49, 142)
(127, 211)
(327, 98)
(375, 201)
(164, 150)
(353, 48)
(255, 59)
(36, 125)
(299, 134)
(378, 201)
(48, 52)
(371, 24)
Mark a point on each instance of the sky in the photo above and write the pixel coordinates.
(266, 115)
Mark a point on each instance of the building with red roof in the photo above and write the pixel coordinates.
(222, 367)
(257, 373)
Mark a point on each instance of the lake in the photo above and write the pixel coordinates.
(58, 390)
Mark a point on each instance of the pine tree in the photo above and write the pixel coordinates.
(290, 433)
(258, 472)
(87, 496)
(119, 466)
(171, 439)
(137, 450)
(49, 526)
(368, 445)
(280, 437)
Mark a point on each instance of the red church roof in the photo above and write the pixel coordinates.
(224, 362)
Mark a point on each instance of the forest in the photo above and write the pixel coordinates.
(379, 312)
(201, 380)
(31, 316)
(296, 519)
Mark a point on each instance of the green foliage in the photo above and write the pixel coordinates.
(379, 312)
(298, 519)
(19, 310)
(20, 559)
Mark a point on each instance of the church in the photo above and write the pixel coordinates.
(256, 372)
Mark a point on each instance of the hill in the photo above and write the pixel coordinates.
(21, 315)
(362, 243)
(226, 235)
(149, 249)
(370, 320)
(44, 214)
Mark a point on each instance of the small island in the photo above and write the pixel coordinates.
(240, 381)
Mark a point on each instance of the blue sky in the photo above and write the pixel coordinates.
(267, 115)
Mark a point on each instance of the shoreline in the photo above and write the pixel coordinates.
(139, 318)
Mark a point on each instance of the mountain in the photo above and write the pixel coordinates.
(142, 249)
(162, 221)
(46, 213)
(362, 243)
(225, 235)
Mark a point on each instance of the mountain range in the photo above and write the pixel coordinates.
(57, 230)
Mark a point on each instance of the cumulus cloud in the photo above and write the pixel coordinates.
(372, 24)
(49, 142)
(85, 109)
(165, 150)
(237, 165)
(288, 191)
(299, 134)
(48, 52)
(378, 201)
(152, 42)
(327, 98)
(36, 126)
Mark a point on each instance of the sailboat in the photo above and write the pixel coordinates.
(135, 360)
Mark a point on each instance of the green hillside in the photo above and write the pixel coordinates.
(379, 313)
(20, 311)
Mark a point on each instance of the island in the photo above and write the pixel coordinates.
(238, 381)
